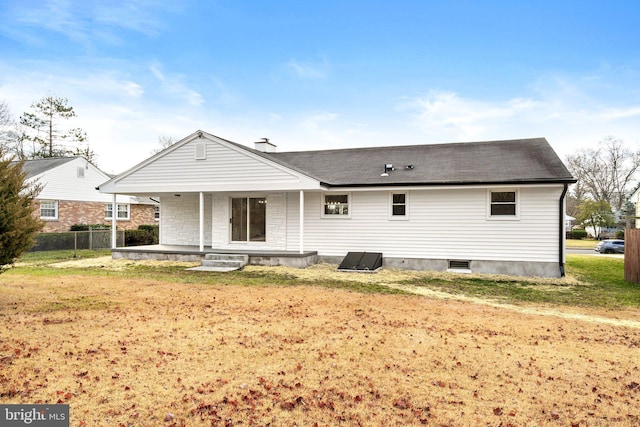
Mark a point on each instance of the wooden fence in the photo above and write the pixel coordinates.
(632, 255)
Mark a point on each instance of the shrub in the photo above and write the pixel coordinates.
(620, 234)
(144, 235)
(578, 234)
(18, 225)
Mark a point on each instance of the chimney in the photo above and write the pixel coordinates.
(265, 146)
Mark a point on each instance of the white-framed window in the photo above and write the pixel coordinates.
(336, 205)
(248, 219)
(123, 211)
(399, 205)
(48, 209)
(503, 204)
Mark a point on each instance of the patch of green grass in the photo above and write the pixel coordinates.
(49, 257)
(584, 243)
(178, 274)
(592, 282)
(603, 279)
(501, 289)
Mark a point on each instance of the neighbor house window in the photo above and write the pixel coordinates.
(503, 204)
(398, 205)
(123, 211)
(336, 205)
(49, 209)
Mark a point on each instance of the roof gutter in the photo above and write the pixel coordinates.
(451, 183)
(561, 231)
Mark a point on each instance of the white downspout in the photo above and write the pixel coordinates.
(201, 221)
(301, 221)
(114, 213)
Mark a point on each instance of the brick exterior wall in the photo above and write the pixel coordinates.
(72, 212)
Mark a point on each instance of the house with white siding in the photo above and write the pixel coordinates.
(482, 207)
(69, 196)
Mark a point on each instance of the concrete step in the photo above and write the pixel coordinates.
(239, 257)
(214, 269)
(222, 263)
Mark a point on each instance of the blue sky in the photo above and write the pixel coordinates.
(327, 74)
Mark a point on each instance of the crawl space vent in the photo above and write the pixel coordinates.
(459, 265)
(362, 262)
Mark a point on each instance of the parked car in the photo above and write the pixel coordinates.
(610, 246)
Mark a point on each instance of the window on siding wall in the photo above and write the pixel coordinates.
(398, 205)
(503, 204)
(336, 205)
(123, 211)
(49, 209)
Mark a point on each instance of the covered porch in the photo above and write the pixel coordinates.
(194, 253)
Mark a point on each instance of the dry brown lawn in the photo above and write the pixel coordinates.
(137, 352)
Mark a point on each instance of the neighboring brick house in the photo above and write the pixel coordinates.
(69, 196)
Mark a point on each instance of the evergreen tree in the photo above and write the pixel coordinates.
(18, 224)
(42, 129)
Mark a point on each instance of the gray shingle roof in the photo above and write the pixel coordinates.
(499, 162)
(37, 166)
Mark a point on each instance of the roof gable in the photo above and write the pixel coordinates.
(204, 162)
(67, 178)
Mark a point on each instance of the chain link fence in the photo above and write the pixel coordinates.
(74, 240)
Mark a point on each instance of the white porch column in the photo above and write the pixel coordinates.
(301, 221)
(213, 216)
(114, 214)
(201, 221)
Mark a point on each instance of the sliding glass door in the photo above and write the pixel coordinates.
(248, 219)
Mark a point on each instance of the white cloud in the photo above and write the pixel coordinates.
(85, 21)
(309, 70)
(562, 112)
(464, 118)
(174, 85)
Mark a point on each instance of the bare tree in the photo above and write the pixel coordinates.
(8, 130)
(164, 142)
(604, 173)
